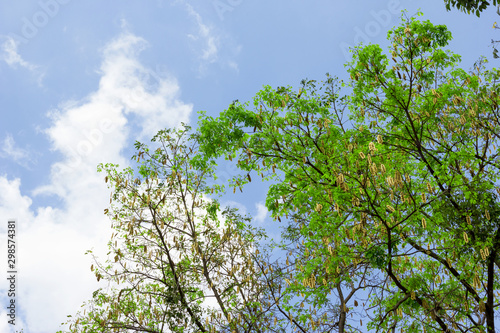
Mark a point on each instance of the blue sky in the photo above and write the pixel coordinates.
(80, 81)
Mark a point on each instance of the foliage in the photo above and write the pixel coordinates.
(382, 198)
(476, 6)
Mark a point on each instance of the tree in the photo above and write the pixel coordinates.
(380, 198)
(469, 5)
(172, 253)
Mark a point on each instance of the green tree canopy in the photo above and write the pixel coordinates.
(391, 196)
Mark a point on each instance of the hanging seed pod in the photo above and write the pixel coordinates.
(373, 168)
(379, 139)
(462, 120)
(371, 146)
(389, 207)
(390, 181)
(475, 282)
(350, 147)
(483, 256)
(468, 219)
(424, 224)
(397, 177)
(318, 207)
(340, 178)
(482, 306)
(300, 92)
(413, 296)
(487, 213)
(424, 199)
(466, 238)
(382, 168)
(361, 155)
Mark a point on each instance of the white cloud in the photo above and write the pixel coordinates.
(10, 55)
(261, 213)
(54, 274)
(19, 155)
(242, 209)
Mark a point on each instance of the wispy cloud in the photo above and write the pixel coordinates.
(211, 45)
(205, 37)
(9, 150)
(10, 55)
(86, 132)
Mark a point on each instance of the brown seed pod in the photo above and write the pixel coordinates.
(482, 254)
(318, 207)
(340, 178)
